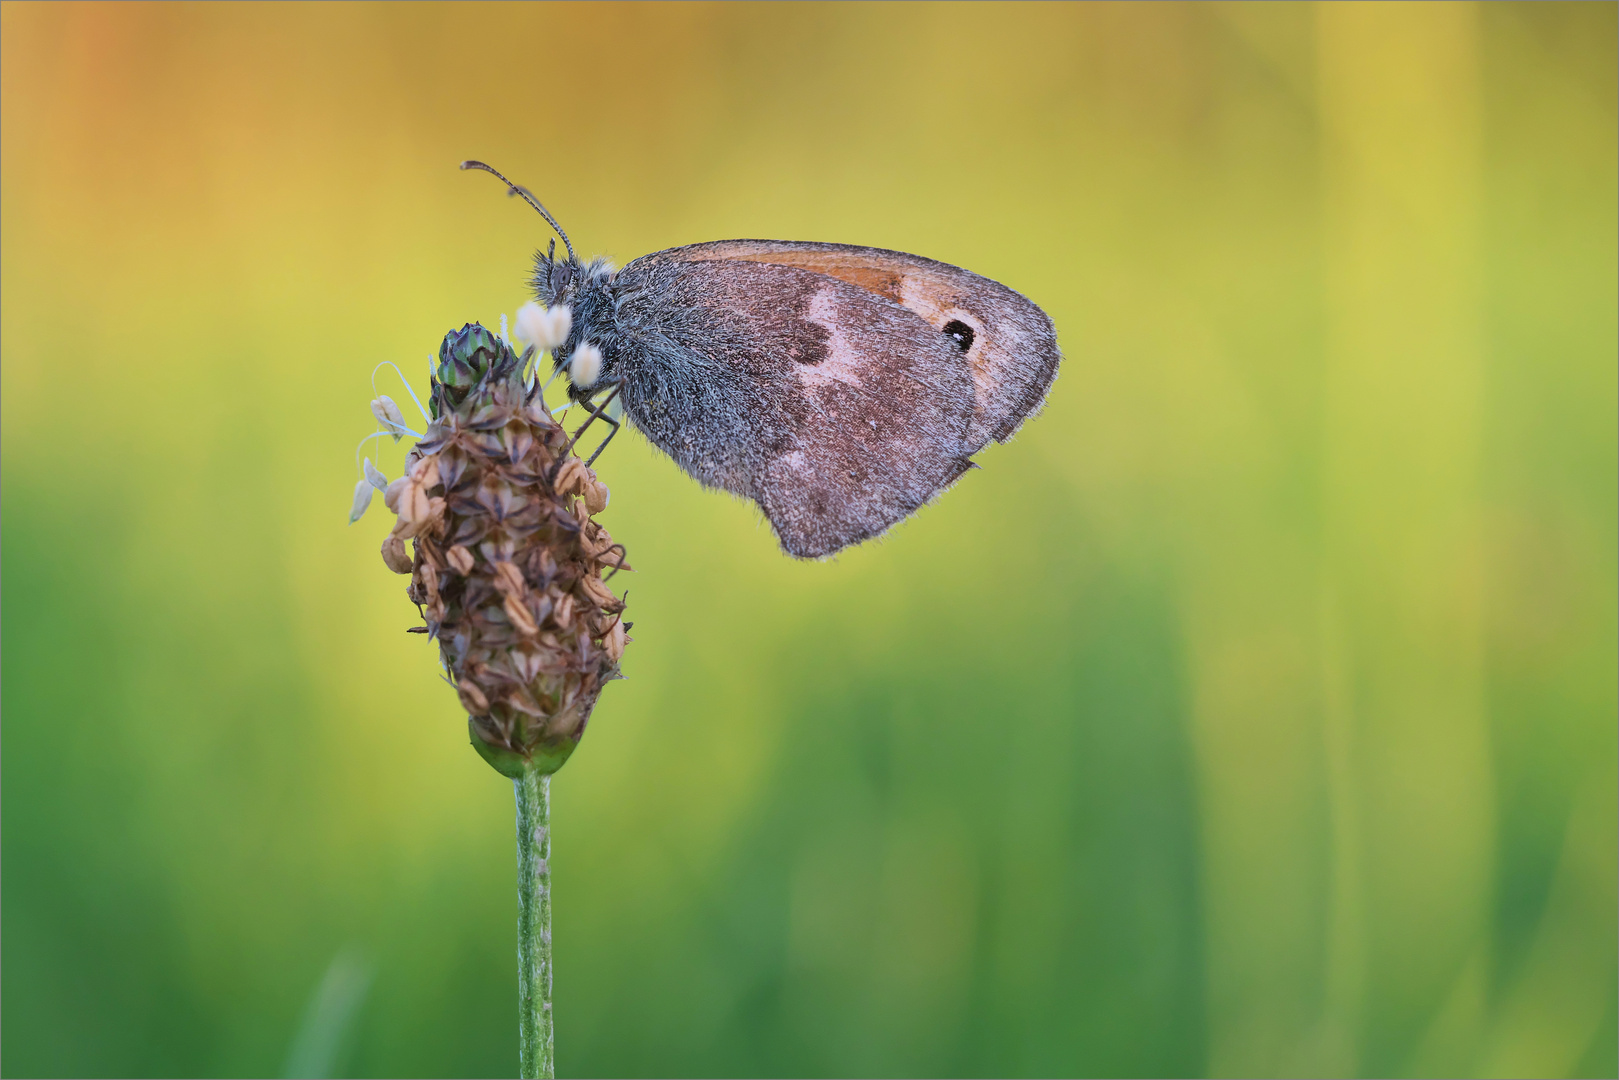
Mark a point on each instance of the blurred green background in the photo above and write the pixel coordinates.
(1252, 713)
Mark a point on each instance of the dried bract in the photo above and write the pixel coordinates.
(460, 558)
(395, 556)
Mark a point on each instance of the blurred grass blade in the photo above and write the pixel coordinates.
(329, 1016)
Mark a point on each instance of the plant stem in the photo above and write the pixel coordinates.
(536, 1047)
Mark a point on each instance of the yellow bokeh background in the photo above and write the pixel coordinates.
(1252, 713)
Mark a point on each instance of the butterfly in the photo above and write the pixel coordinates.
(840, 388)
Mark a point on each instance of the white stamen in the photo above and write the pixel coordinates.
(431, 370)
(503, 335)
(561, 323)
(389, 416)
(529, 318)
(361, 446)
(586, 365)
(544, 328)
(362, 499)
(374, 476)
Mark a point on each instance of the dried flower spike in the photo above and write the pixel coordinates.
(508, 562)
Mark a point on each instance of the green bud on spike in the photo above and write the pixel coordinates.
(469, 354)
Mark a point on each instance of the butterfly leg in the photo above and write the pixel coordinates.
(597, 412)
(598, 453)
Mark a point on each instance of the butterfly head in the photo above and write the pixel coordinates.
(561, 281)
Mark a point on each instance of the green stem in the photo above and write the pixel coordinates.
(536, 1046)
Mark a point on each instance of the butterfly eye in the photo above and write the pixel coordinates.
(960, 333)
(561, 279)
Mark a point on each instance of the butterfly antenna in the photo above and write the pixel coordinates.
(528, 197)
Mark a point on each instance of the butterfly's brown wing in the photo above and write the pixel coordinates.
(1013, 355)
(838, 406)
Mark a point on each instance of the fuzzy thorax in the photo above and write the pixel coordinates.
(508, 562)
